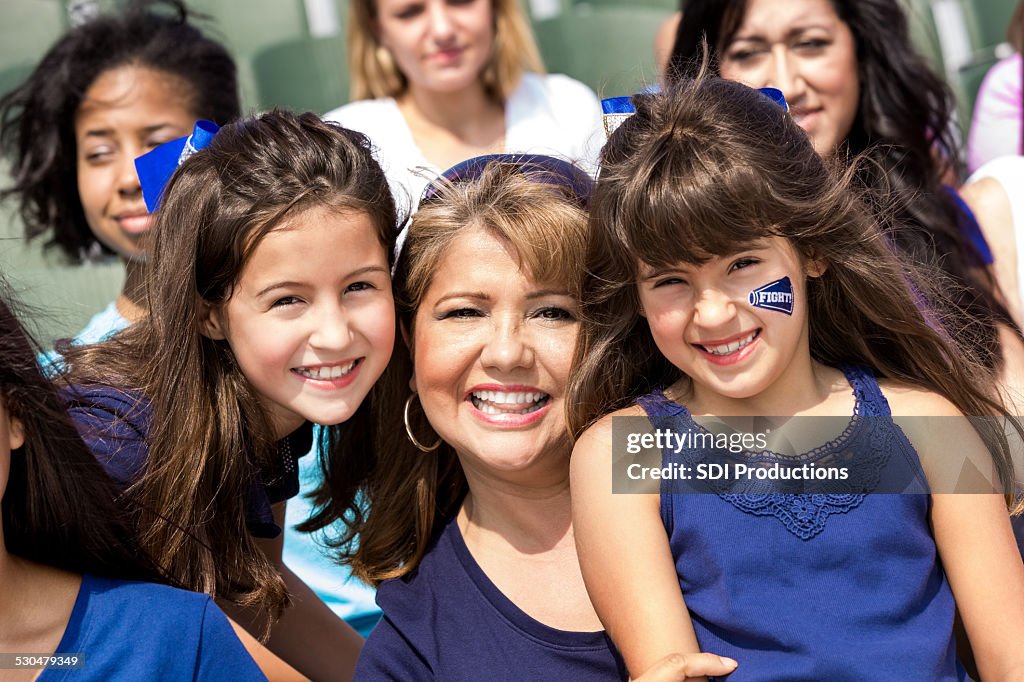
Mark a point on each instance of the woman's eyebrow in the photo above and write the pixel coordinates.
(547, 292)
(477, 295)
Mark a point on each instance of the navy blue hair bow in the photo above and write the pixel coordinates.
(538, 167)
(618, 109)
(156, 166)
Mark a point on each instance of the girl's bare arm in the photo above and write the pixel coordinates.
(625, 558)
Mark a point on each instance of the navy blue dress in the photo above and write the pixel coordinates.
(448, 621)
(812, 586)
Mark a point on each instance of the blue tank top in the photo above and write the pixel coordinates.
(814, 586)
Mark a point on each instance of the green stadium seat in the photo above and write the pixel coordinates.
(987, 21)
(608, 47)
(27, 29)
(309, 74)
(61, 297)
(11, 76)
(247, 28)
(670, 5)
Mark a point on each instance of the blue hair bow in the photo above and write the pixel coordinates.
(156, 166)
(618, 109)
(775, 95)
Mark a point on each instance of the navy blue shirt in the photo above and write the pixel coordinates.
(448, 621)
(114, 423)
(129, 631)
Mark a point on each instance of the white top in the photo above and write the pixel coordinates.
(1008, 171)
(553, 115)
(996, 124)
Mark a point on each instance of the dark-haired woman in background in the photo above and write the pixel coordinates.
(857, 87)
(67, 561)
(106, 92)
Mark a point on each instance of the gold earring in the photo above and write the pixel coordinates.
(408, 429)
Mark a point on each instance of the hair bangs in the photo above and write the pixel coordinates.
(542, 222)
(689, 208)
(551, 251)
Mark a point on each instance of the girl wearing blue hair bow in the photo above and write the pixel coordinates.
(106, 92)
(734, 282)
(270, 309)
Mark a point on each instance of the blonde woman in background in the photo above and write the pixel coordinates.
(435, 82)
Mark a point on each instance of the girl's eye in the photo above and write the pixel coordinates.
(461, 314)
(668, 281)
(741, 263)
(359, 286)
(286, 301)
(554, 313)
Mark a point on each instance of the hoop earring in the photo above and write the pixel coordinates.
(408, 429)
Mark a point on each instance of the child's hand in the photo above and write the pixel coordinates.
(681, 667)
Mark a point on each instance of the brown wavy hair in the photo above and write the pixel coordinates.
(375, 74)
(411, 493)
(209, 434)
(711, 165)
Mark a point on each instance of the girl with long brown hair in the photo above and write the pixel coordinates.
(270, 305)
(733, 273)
(75, 592)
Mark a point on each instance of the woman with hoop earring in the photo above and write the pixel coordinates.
(465, 523)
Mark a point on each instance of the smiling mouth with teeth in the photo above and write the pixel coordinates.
(325, 373)
(733, 347)
(508, 402)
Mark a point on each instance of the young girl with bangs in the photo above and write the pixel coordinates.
(709, 195)
(269, 293)
(74, 602)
